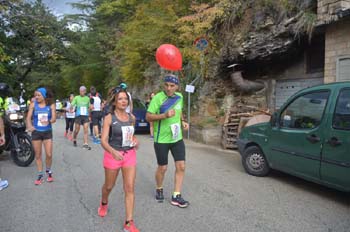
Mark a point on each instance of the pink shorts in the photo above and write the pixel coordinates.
(128, 161)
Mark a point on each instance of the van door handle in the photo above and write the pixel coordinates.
(313, 138)
(334, 142)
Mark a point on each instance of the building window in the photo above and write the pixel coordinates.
(315, 55)
(343, 68)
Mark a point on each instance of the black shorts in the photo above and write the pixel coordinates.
(177, 150)
(41, 135)
(96, 117)
(81, 120)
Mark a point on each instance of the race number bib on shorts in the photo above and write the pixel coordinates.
(83, 111)
(43, 119)
(128, 133)
(175, 130)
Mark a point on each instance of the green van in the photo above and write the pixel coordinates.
(308, 137)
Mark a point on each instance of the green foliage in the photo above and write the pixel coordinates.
(34, 42)
(152, 25)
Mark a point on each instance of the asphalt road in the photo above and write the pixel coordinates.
(222, 196)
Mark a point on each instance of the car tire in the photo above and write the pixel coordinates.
(254, 161)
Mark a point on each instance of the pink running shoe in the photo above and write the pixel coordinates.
(70, 137)
(49, 178)
(65, 134)
(39, 181)
(102, 210)
(130, 227)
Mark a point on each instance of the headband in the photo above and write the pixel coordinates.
(172, 79)
(42, 91)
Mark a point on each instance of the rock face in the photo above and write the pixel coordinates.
(270, 36)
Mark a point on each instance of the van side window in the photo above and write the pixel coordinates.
(305, 112)
(341, 118)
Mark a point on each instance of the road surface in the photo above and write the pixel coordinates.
(222, 196)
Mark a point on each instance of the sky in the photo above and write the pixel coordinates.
(61, 7)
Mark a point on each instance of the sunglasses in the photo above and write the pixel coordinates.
(117, 90)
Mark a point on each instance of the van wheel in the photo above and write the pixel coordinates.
(254, 161)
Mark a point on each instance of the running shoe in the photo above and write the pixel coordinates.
(130, 227)
(159, 195)
(65, 134)
(74, 143)
(102, 210)
(97, 140)
(87, 147)
(70, 137)
(179, 201)
(39, 180)
(49, 177)
(3, 184)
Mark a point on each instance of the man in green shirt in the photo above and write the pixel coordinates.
(165, 111)
(81, 103)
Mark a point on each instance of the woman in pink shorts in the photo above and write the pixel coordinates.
(119, 143)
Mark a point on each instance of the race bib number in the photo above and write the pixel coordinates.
(43, 119)
(128, 133)
(70, 114)
(175, 130)
(83, 111)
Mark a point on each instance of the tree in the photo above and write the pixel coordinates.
(34, 39)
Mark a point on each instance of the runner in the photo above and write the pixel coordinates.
(43, 111)
(58, 109)
(70, 115)
(119, 143)
(81, 104)
(96, 113)
(165, 111)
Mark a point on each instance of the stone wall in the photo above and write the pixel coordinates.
(337, 45)
(329, 10)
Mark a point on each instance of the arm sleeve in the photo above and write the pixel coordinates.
(74, 102)
(153, 107)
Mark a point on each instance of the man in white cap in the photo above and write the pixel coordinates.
(81, 104)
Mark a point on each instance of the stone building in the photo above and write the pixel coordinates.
(324, 59)
(334, 17)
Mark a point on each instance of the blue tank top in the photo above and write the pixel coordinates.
(41, 115)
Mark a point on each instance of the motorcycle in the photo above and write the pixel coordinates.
(18, 142)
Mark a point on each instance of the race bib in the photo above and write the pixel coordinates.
(70, 114)
(175, 130)
(43, 119)
(128, 133)
(83, 111)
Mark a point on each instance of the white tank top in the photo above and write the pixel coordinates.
(69, 114)
(97, 104)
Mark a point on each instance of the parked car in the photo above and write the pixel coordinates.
(308, 137)
(139, 110)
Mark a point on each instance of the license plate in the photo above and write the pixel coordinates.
(143, 124)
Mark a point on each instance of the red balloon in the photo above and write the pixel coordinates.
(169, 57)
